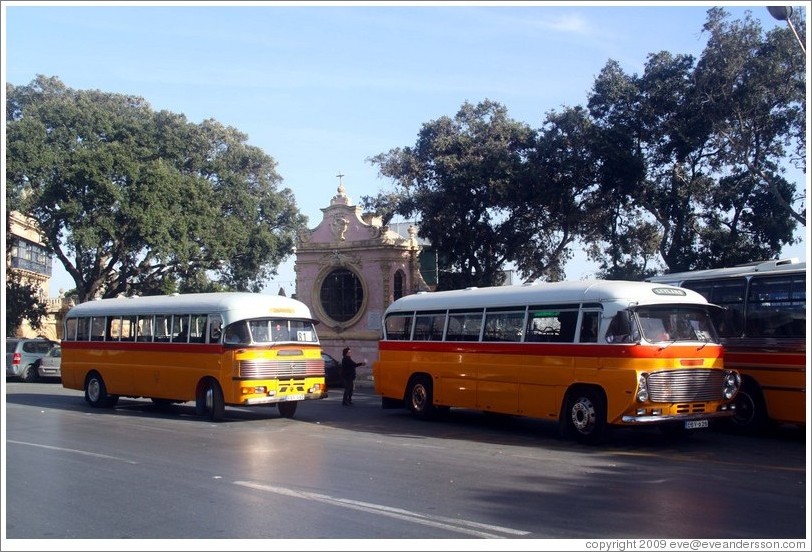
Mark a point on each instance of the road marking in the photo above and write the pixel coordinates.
(94, 454)
(449, 524)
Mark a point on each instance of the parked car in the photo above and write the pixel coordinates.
(332, 371)
(23, 356)
(50, 366)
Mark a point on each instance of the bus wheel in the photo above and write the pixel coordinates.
(586, 416)
(96, 392)
(287, 409)
(210, 402)
(751, 412)
(420, 398)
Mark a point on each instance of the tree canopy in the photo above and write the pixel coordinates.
(131, 200)
(683, 167)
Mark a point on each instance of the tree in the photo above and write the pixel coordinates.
(710, 139)
(457, 178)
(136, 201)
(23, 303)
(557, 201)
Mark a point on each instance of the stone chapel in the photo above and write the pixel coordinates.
(349, 268)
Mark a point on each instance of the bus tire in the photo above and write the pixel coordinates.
(420, 398)
(210, 402)
(288, 409)
(751, 410)
(96, 392)
(585, 416)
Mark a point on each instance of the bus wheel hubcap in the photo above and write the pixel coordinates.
(93, 390)
(419, 397)
(583, 415)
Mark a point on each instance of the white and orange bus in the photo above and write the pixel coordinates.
(587, 354)
(216, 349)
(763, 329)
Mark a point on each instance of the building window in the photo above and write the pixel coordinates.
(398, 291)
(341, 295)
(30, 256)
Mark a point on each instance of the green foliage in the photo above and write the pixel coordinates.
(684, 165)
(22, 303)
(136, 201)
(458, 179)
(711, 139)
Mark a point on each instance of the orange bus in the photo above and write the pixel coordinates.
(763, 330)
(216, 349)
(589, 355)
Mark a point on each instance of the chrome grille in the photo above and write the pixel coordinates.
(685, 385)
(270, 369)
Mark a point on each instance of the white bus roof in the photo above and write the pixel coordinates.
(231, 305)
(548, 293)
(760, 267)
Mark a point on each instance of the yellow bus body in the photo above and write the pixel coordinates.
(217, 349)
(533, 382)
(558, 352)
(173, 372)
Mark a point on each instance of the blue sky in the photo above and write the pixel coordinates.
(321, 88)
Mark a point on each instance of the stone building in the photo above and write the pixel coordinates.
(349, 268)
(28, 258)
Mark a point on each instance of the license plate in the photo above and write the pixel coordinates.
(696, 424)
(295, 398)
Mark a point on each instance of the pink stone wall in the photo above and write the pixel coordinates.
(345, 238)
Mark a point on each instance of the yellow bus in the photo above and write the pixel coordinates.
(589, 355)
(763, 330)
(216, 349)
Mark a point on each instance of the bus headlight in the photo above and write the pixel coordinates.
(731, 383)
(642, 388)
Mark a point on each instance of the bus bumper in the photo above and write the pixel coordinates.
(727, 412)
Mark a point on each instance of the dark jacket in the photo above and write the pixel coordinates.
(348, 366)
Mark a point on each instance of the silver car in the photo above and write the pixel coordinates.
(24, 356)
(50, 366)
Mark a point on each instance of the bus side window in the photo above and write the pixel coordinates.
(144, 328)
(729, 321)
(620, 329)
(398, 327)
(163, 327)
(70, 329)
(215, 328)
(429, 327)
(180, 328)
(566, 329)
(97, 328)
(197, 328)
(82, 329)
(127, 328)
(464, 326)
(236, 333)
(589, 327)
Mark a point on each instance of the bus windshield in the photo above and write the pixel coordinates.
(668, 323)
(271, 330)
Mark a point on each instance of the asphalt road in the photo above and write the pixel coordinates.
(360, 472)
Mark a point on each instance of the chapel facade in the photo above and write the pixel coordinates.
(348, 269)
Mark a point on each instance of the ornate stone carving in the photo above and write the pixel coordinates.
(339, 227)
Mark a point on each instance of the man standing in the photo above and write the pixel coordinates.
(348, 366)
